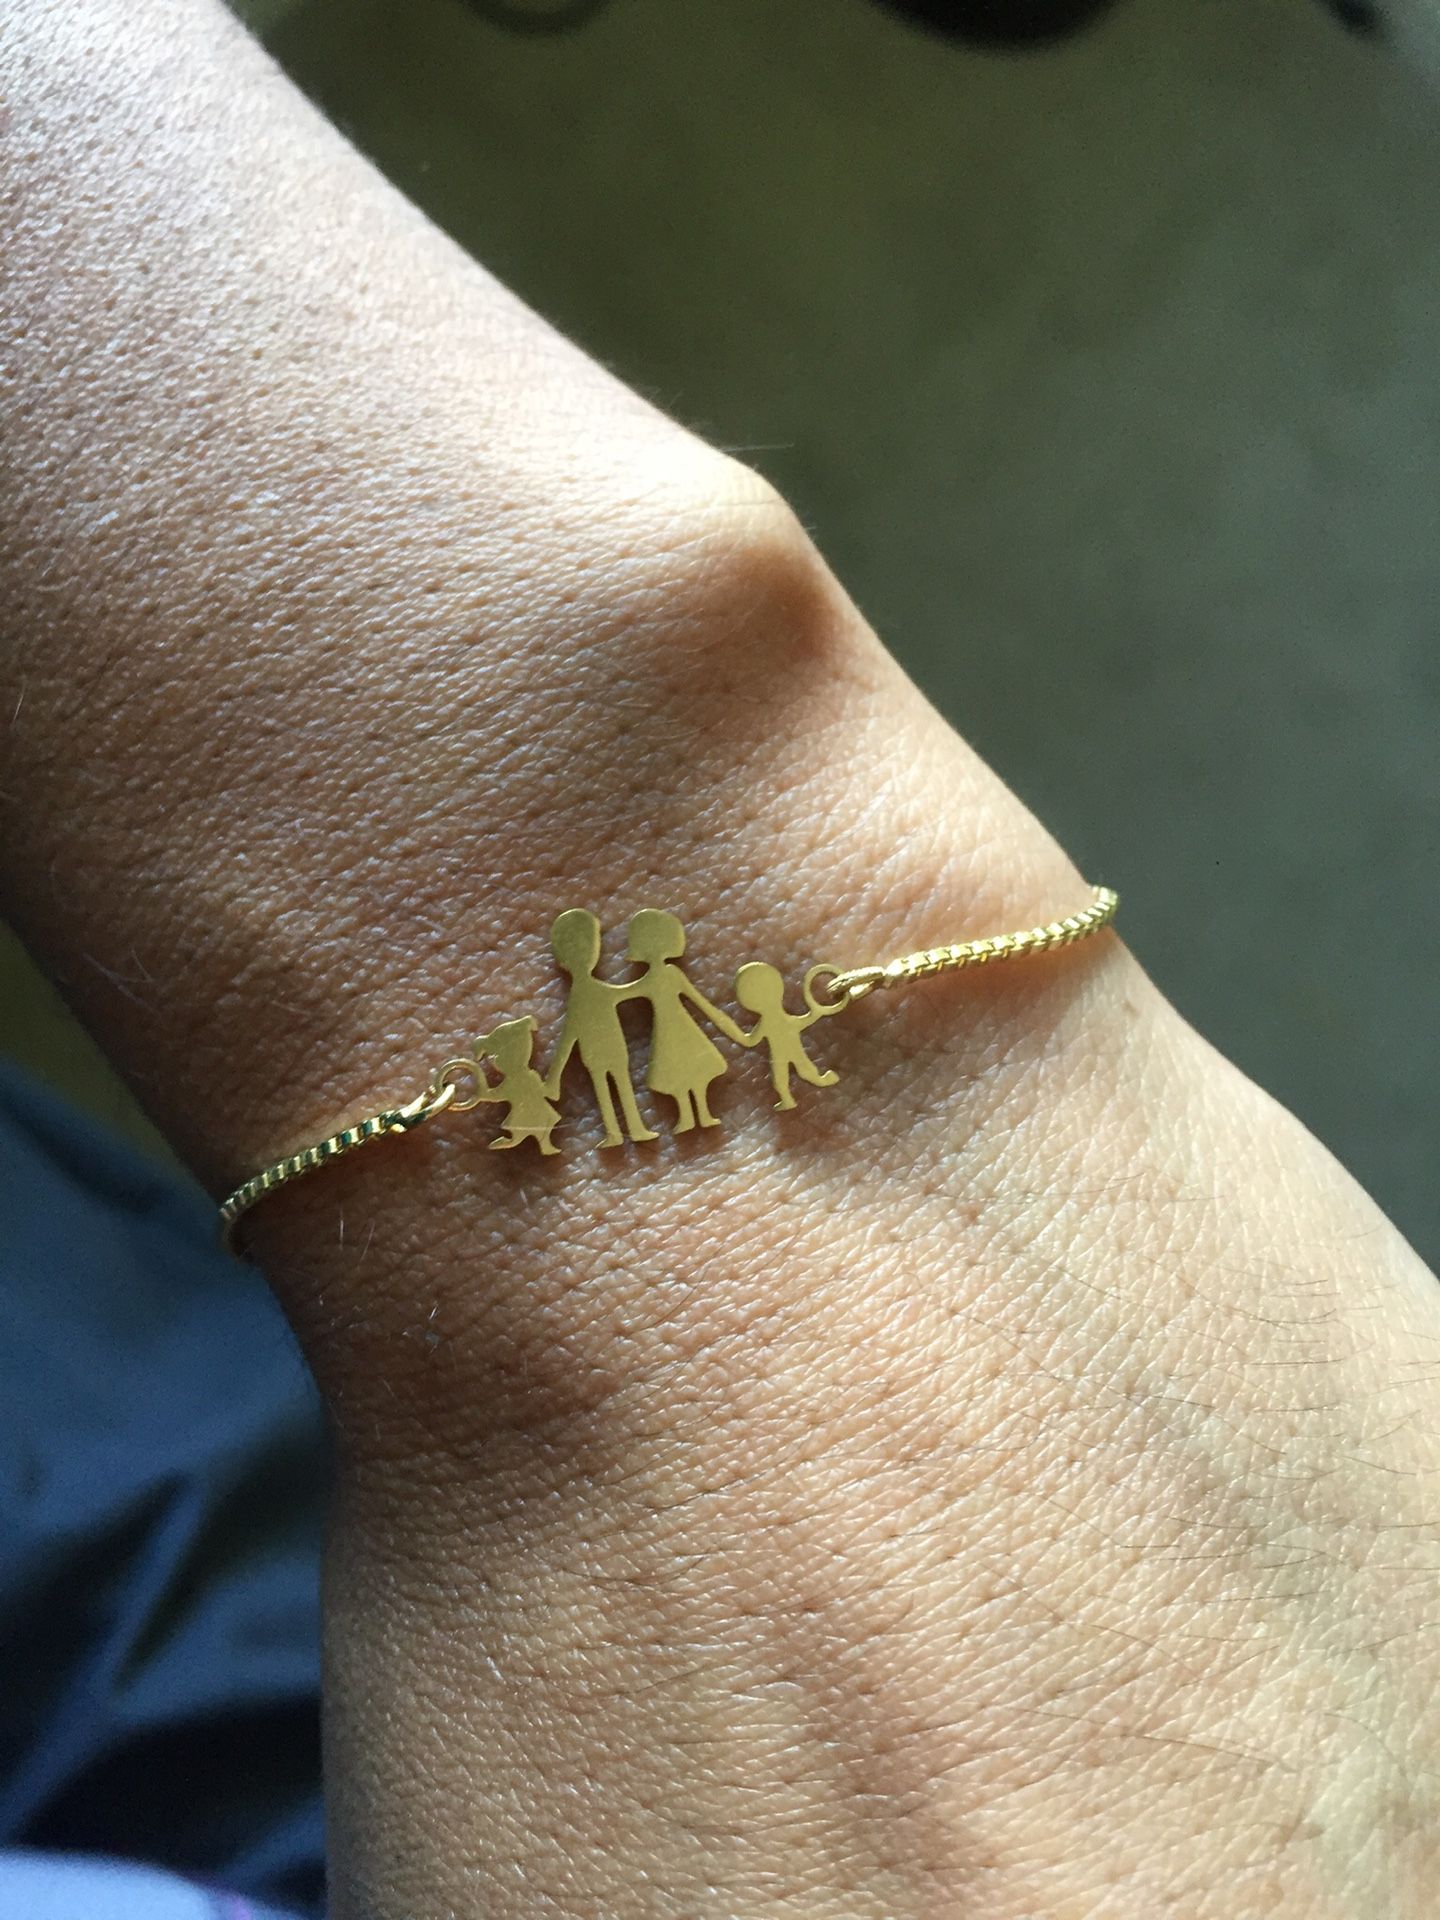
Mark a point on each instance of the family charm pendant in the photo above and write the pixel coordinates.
(683, 1060)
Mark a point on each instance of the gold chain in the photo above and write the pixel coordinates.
(435, 1099)
(858, 981)
(592, 1031)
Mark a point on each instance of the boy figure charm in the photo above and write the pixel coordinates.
(760, 989)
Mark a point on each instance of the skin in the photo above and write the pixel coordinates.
(1007, 1486)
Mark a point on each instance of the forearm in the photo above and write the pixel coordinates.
(354, 623)
(717, 1530)
(331, 579)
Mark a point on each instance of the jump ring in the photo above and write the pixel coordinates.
(838, 986)
(453, 1071)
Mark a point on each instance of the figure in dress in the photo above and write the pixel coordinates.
(531, 1116)
(760, 989)
(683, 1060)
(592, 1026)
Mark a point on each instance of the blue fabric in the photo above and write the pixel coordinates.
(161, 1480)
(39, 1886)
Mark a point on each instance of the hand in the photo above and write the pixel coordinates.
(730, 1029)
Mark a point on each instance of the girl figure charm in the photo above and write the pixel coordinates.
(760, 989)
(531, 1115)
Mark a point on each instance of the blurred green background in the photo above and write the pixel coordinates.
(1108, 377)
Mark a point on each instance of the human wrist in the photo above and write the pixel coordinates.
(272, 835)
(779, 783)
(347, 683)
(235, 604)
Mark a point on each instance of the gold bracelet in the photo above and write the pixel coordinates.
(683, 1059)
